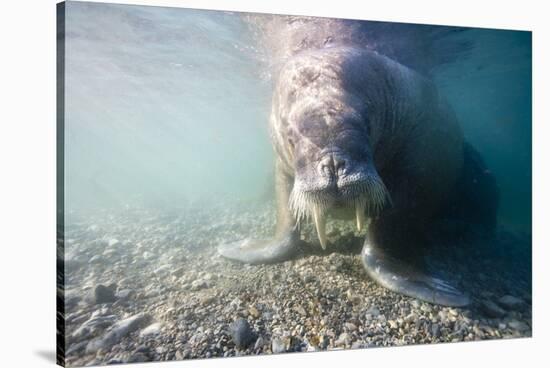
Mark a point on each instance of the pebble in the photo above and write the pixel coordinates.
(309, 278)
(254, 312)
(357, 345)
(491, 309)
(151, 330)
(138, 358)
(96, 259)
(510, 302)
(241, 333)
(124, 294)
(373, 311)
(102, 294)
(164, 269)
(117, 332)
(300, 310)
(259, 343)
(209, 277)
(198, 285)
(75, 348)
(277, 346)
(343, 340)
(95, 323)
(411, 317)
(415, 303)
(435, 329)
(179, 355)
(426, 308)
(518, 325)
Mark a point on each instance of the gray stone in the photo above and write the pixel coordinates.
(491, 309)
(241, 333)
(435, 330)
(415, 303)
(343, 340)
(142, 349)
(518, 325)
(198, 285)
(300, 310)
(102, 294)
(96, 259)
(277, 346)
(91, 326)
(124, 294)
(357, 345)
(117, 332)
(309, 278)
(138, 358)
(510, 302)
(373, 311)
(162, 270)
(259, 343)
(179, 355)
(75, 348)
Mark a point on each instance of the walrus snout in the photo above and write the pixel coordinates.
(332, 166)
(342, 184)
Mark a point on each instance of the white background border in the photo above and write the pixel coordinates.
(27, 179)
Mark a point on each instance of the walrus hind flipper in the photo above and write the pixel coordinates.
(401, 278)
(256, 251)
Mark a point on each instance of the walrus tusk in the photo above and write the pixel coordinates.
(360, 215)
(320, 222)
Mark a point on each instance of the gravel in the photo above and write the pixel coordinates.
(165, 294)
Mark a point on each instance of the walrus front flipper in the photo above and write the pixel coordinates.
(255, 251)
(404, 279)
(286, 241)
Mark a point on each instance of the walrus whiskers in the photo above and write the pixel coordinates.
(367, 197)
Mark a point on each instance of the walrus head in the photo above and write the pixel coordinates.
(328, 142)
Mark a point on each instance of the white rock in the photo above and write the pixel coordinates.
(117, 332)
(153, 329)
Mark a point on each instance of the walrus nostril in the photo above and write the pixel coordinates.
(332, 165)
(326, 166)
(339, 165)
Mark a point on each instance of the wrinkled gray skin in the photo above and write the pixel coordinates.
(355, 130)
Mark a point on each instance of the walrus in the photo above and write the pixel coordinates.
(360, 136)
